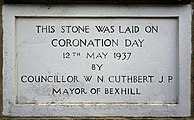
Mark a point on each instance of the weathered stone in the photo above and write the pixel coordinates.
(100, 1)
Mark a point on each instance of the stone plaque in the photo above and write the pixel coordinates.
(108, 61)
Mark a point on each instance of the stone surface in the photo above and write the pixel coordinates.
(51, 118)
(36, 53)
(100, 1)
(82, 59)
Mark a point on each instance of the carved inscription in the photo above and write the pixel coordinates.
(126, 60)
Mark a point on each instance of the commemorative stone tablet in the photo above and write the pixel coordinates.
(96, 60)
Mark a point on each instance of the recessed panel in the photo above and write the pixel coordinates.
(97, 60)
